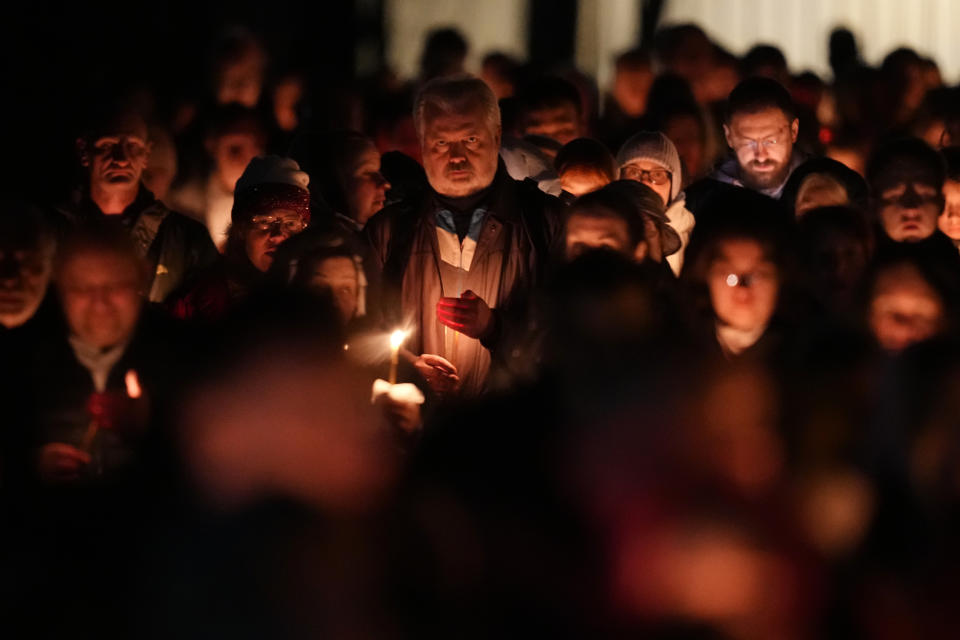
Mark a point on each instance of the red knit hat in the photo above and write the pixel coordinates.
(270, 183)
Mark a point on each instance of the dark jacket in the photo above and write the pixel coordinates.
(52, 391)
(518, 237)
(175, 247)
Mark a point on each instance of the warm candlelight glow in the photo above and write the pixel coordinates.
(396, 339)
(133, 384)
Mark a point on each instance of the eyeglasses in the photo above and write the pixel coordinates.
(273, 224)
(656, 176)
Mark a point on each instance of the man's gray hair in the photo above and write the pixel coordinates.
(456, 94)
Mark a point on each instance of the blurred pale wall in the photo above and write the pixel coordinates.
(487, 25)
(801, 28)
(607, 27)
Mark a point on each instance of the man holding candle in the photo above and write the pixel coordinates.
(86, 389)
(459, 261)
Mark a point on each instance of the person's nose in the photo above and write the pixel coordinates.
(760, 151)
(119, 154)
(458, 152)
(382, 182)
(910, 200)
(278, 234)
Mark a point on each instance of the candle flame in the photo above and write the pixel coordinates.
(133, 384)
(397, 338)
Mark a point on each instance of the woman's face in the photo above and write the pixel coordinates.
(744, 285)
(365, 187)
(338, 275)
(266, 232)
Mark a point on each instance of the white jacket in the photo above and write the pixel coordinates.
(682, 221)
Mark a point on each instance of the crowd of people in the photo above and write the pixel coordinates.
(492, 355)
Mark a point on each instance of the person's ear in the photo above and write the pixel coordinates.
(794, 129)
(83, 153)
(726, 135)
(640, 253)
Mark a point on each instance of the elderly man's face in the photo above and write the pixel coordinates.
(763, 142)
(24, 275)
(460, 150)
(117, 160)
(909, 210)
(101, 297)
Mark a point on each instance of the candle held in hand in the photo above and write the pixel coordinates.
(396, 341)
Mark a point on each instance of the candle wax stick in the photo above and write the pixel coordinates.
(394, 360)
(88, 437)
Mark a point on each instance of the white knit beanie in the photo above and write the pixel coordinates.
(655, 147)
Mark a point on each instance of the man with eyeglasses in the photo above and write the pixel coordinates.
(86, 390)
(114, 152)
(651, 158)
(761, 129)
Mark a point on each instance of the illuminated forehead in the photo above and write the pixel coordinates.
(759, 124)
(742, 253)
(645, 165)
(466, 119)
(125, 126)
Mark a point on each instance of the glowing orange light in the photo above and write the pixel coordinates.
(133, 384)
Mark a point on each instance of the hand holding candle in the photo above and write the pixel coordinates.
(108, 410)
(469, 314)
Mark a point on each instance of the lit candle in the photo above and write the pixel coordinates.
(133, 384)
(396, 340)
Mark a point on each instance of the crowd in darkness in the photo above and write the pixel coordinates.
(491, 355)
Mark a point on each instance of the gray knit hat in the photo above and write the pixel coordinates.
(655, 147)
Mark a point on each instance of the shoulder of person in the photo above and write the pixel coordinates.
(192, 231)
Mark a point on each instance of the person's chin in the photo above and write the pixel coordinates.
(913, 234)
(119, 179)
(266, 261)
(460, 188)
(764, 179)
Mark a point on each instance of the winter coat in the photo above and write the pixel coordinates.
(516, 239)
(175, 247)
(682, 221)
(728, 172)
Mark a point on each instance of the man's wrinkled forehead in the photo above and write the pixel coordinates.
(764, 122)
(459, 117)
